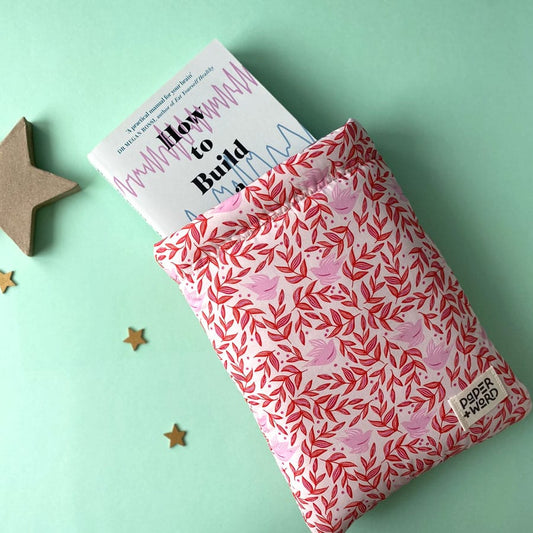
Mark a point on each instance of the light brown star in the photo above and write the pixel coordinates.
(176, 436)
(24, 187)
(6, 281)
(135, 338)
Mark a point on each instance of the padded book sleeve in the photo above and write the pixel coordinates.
(342, 325)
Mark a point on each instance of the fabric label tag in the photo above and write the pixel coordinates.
(480, 397)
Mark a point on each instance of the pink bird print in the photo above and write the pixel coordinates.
(282, 450)
(357, 440)
(342, 199)
(314, 176)
(323, 352)
(416, 427)
(410, 333)
(194, 299)
(229, 204)
(262, 421)
(327, 271)
(263, 286)
(437, 355)
(261, 417)
(172, 273)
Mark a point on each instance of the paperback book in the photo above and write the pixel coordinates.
(207, 133)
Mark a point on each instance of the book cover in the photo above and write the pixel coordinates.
(208, 132)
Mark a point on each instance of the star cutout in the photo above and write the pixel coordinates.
(24, 187)
(176, 436)
(135, 338)
(6, 281)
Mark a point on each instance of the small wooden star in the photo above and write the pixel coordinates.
(6, 281)
(135, 338)
(176, 436)
(24, 187)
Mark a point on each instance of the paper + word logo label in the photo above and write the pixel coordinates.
(480, 397)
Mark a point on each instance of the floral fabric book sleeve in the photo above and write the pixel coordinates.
(344, 328)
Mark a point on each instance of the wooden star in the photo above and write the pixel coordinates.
(6, 281)
(135, 338)
(176, 436)
(24, 187)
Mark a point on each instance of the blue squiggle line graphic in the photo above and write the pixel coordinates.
(256, 164)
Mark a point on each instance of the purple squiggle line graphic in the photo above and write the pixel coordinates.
(238, 83)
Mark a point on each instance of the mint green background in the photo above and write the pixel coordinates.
(445, 90)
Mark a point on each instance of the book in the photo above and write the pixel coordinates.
(207, 133)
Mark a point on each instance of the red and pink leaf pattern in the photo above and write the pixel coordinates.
(341, 324)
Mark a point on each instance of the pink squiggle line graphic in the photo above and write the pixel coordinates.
(159, 160)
